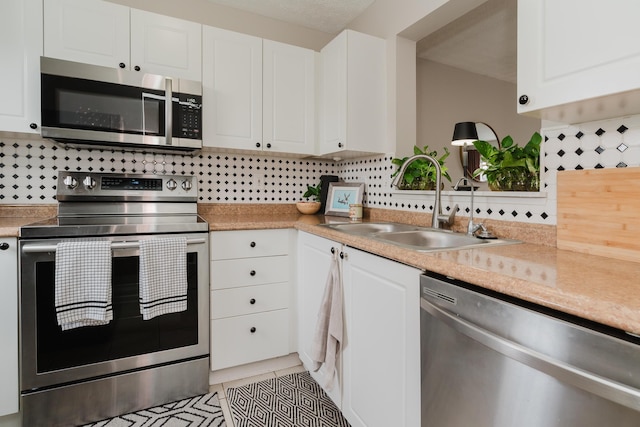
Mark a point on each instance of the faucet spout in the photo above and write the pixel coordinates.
(437, 205)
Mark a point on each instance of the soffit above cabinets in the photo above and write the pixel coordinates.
(330, 16)
(483, 41)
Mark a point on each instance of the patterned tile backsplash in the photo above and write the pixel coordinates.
(29, 169)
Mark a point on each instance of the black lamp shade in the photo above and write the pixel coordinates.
(464, 132)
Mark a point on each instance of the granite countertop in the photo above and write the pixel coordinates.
(600, 289)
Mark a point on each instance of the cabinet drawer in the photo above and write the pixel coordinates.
(249, 243)
(233, 343)
(231, 273)
(249, 300)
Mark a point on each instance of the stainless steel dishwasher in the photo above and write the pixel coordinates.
(491, 361)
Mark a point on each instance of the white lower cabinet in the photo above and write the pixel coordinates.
(250, 296)
(314, 260)
(379, 370)
(9, 389)
(382, 346)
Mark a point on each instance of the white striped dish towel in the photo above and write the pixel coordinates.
(83, 283)
(163, 276)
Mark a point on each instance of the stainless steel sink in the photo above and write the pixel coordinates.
(423, 239)
(371, 227)
(437, 240)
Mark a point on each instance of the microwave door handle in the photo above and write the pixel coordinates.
(168, 111)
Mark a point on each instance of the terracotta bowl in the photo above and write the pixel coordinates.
(308, 208)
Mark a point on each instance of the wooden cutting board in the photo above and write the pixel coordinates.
(599, 212)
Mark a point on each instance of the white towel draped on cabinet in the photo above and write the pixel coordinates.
(328, 336)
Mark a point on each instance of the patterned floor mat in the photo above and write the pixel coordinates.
(199, 411)
(290, 401)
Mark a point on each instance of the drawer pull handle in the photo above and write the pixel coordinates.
(4, 246)
(253, 330)
(253, 272)
(333, 250)
(252, 301)
(252, 244)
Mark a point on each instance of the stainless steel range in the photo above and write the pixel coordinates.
(88, 373)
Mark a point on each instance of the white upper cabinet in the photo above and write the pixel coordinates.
(231, 89)
(165, 45)
(288, 98)
(257, 94)
(353, 95)
(92, 32)
(578, 61)
(102, 33)
(20, 50)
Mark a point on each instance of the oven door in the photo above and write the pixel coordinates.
(51, 356)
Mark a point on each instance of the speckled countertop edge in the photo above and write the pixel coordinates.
(600, 289)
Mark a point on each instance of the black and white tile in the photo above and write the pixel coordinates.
(29, 169)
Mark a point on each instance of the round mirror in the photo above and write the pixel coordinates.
(485, 133)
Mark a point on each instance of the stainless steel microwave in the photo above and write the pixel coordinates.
(88, 104)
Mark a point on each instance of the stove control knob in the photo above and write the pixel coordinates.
(89, 183)
(172, 184)
(186, 185)
(70, 182)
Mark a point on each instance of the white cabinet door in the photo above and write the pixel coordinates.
(244, 339)
(578, 61)
(165, 45)
(257, 94)
(20, 50)
(231, 89)
(103, 33)
(9, 388)
(382, 344)
(334, 94)
(354, 101)
(288, 98)
(314, 261)
(92, 32)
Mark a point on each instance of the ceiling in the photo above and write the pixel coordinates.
(329, 16)
(483, 41)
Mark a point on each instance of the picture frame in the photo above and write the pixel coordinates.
(341, 195)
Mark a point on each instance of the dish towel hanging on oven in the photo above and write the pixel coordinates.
(83, 284)
(327, 339)
(163, 276)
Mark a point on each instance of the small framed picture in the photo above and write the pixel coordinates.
(341, 195)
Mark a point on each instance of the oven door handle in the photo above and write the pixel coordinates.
(117, 245)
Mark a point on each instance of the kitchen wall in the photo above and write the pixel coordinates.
(232, 19)
(29, 168)
(447, 95)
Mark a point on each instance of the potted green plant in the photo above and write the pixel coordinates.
(420, 173)
(310, 206)
(510, 167)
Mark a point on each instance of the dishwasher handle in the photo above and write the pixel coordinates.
(592, 383)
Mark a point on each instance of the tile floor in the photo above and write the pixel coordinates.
(221, 389)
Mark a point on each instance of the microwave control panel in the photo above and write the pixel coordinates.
(189, 113)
